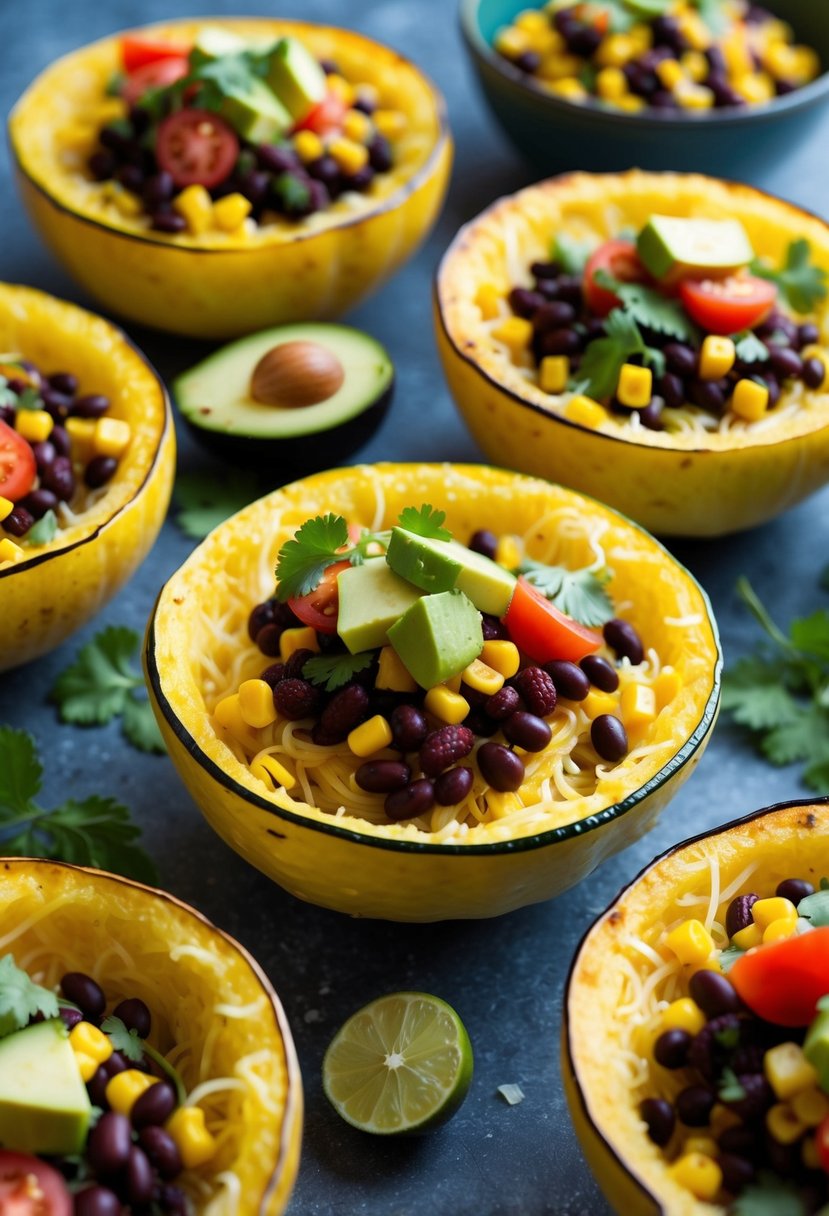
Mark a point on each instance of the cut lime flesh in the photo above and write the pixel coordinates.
(402, 1064)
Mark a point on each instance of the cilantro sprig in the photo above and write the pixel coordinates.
(135, 1048)
(21, 998)
(579, 593)
(780, 693)
(599, 370)
(800, 283)
(332, 671)
(749, 348)
(43, 531)
(730, 1089)
(103, 684)
(97, 831)
(768, 1196)
(650, 308)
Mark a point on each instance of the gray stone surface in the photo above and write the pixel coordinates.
(504, 977)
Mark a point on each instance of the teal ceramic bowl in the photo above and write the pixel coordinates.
(555, 134)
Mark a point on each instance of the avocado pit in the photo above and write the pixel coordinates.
(295, 374)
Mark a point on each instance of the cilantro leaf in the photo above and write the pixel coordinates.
(604, 357)
(713, 14)
(802, 738)
(571, 255)
(801, 283)
(20, 772)
(21, 998)
(729, 1036)
(29, 399)
(43, 531)
(203, 500)
(293, 194)
(749, 347)
(811, 634)
(816, 775)
(730, 1089)
(103, 684)
(579, 593)
(123, 1040)
(815, 909)
(424, 522)
(752, 691)
(649, 307)
(769, 1196)
(303, 560)
(334, 670)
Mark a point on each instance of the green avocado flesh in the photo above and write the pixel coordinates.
(439, 565)
(438, 637)
(44, 1106)
(671, 247)
(371, 598)
(296, 77)
(255, 111)
(816, 1048)
(215, 394)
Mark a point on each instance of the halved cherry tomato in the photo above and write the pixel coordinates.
(319, 607)
(196, 147)
(784, 981)
(725, 306)
(153, 76)
(618, 259)
(17, 464)
(30, 1187)
(137, 52)
(327, 115)
(542, 631)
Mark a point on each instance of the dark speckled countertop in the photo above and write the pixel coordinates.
(504, 977)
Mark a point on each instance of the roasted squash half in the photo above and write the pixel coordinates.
(215, 1013)
(199, 629)
(673, 484)
(606, 1037)
(57, 587)
(219, 285)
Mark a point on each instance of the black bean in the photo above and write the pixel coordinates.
(103, 1074)
(414, 799)
(82, 991)
(667, 32)
(493, 629)
(651, 415)
(409, 728)
(97, 1201)
(524, 302)
(714, 993)
(569, 679)
(773, 385)
(739, 914)
(707, 394)
(267, 639)
(158, 189)
(56, 404)
(173, 1201)
(609, 737)
(383, 776)
(60, 441)
(8, 414)
(739, 1140)
(737, 1173)
(273, 674)
(545, 270)
(110, 1140)
(559, 342)
(724, 93)
(139, 1181)
(38, 502)
(131, 177)
(553, 314)
(500, 767)
(781, 328)
(663, 100)
(785, 361)
(808, 333)
(794, 889)
(102, 164)
(528, 61)
(672, 389)
(60, 478)
(162, 1151)
(380, 155)
(659, 1118)
(135, 1015)
(18, 521)
(599, 672)
(99, 471)
(623, 639)
(503, 703)
(94, 405)
(527, 731)
(63, 382)
(569, 288)
(44, 453)
(694, 1105)
(70, 1017)
(168, 221)
(641, 81)
(680, 358)
(453, 786)
(758, 1096)
(584, 39)
(671, 1048)
(814, 372)
(485, 542)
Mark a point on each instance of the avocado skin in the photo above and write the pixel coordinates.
(285, 459)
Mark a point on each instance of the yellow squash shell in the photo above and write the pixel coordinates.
(389, 870)
(673, 484)
(57, 587)
(220, 285)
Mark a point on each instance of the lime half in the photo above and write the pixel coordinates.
(401, 1064)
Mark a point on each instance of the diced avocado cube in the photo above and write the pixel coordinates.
(439, 565)
(44, 1106)
(255, 111)
(673, 248)
(296, 77)
(212, 42)
(371, 598)
(438, 637)
(816, 1048)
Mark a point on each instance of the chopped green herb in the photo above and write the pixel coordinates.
(579, 593)
(769, 1196)
(800, 283)
(571, 255)
(713, 14)
(21, 998)
(334, 670)
(293, 194)
(424, 522)
(749, 348)
(303, 560)
(29, 399)
(728, 958)
(729, 1037)
(123, 1040)
(815, 909)
(650, 307)
(730, 1089)
(203, 500)
(604, 357)
(43, 531)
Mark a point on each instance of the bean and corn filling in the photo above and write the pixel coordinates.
(662, 57)
(742, 1059)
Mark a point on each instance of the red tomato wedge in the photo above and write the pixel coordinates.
(618, 259)
(327, 115)
(542, 631)
(30, 1187)
(784, 981)
(725, 306)
(196, 147)
(156, 75)
(319, 607)
(17, 464)
(137, 52)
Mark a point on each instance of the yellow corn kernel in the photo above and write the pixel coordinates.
(9, 551)
(6, 507)
(568, 87)
(764, 911)
(638, 706)
(585, 411)
(557, 66)
(749, 400)
(392, 674)
(194, 1142)
(783, 1124)
(532, 19)
(502, 805)
(272, 773)
(693, 96)
(453, 684)
(804, 64)
(87, 1040)
(780, 930)
(716, 358)
(125, 1088)
(691, 942)
(597, 702)
(501, 656)
(447, 705)
(357, 127)
(698, 1173)
(308, 146)
(488, 299)
(642, 36)
(230, 212)
(371, 736)
(666, 686)
(483, 678)
(303, 637)
(341, 88)
(615, 51)
(631, 103)
(670, 73)
(737, 54)
(788, 1071)
(694, 30)
(195, 205)
(755, 87)
(635, 385)
(511, 41)
(748, 938)
(129, 204)
(229, 716)
(809, 1154)
(350, 156)
(390, 123)
(87, 1066)
(514, 332)
(553, 373)
(706, 1145)
(82, 433)
(778, 31)
(545, 41)
(508, 552)
(811, 1106)
(34, 425)
(112, 437)
(611, 84)
(256, 703)
(683, 1014)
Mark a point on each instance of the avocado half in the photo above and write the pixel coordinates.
(216, 401)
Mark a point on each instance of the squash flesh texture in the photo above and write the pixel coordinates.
(793, 841)
(183, 968)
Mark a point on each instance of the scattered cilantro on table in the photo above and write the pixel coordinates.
(579, 593)
(334, 670)
(21, 998)
(205, 500)
(598, 372)
(103, 684)
(801, 283)
(781, 692)
(97, 831)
